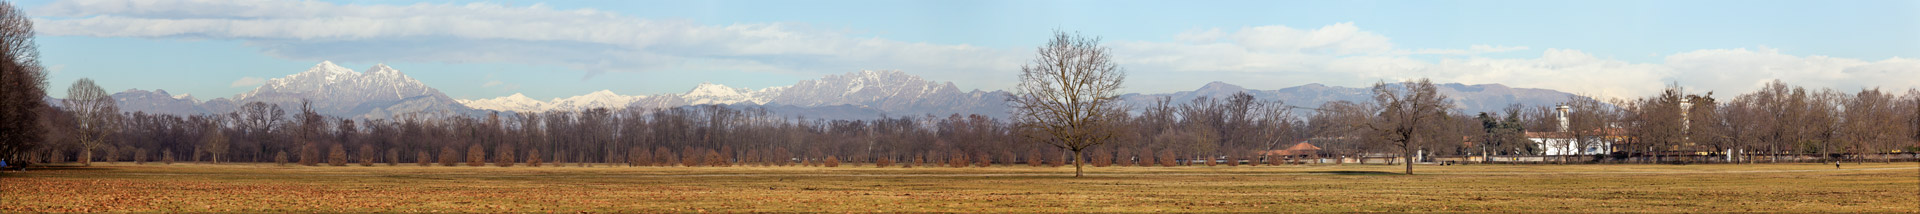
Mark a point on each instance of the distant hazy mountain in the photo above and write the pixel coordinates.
(1467, 98)
(157, 102)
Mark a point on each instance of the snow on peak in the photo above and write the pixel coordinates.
(598, 99)
(709, 93)
(516, 102)
(329, 81)
(708, 89)
(382, 69)
(328, 67)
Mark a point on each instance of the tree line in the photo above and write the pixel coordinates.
(1066, 113)
(1776, 120)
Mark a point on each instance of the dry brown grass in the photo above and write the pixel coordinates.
(1290, 188)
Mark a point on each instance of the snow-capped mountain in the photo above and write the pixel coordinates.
(597, 99)
(883, 92)
(515, 103)
(378, 92)
(520, 103)
(709, 93)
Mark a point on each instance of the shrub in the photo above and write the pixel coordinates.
(309, 155)
(724, 157)
(476, 155)
(449, 156)
(503, 156)
(1101, 158)
(393, 157)
(533, 158)
(919, 160)
(713, 158)
(167, 156)
(883, 162)
(1146, 158)
(337, 155)
(663, 157)
(690, 157)
(306, 155)
(1006, 157)
(637, 156)
(1252, 160)
(1275, 160)
(1211, 160)
(957, 160)
(110, 153)
(1033, 158)
(1055, 159)
(832, 161)
(366, 155)
(424, 159)
(1233, 160)
(805, 162)
(985, 160)
(140, 156)
(280, 158)
(1166, 158)
(782, 157)
(752, 157)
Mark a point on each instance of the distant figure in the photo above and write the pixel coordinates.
(1836, 165)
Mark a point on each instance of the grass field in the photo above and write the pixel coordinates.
(124, 187)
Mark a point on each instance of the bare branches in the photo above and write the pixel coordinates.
(1409, 115)
(1068, 95)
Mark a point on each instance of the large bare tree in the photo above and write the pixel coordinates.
(1068, 95)
(1408, 112)
(22, 85)
(96, 114)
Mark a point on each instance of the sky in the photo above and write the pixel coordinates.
(544, 50)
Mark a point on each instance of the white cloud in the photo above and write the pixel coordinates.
(597, 41)
(585, 39)
(492, 83)
(247, 81)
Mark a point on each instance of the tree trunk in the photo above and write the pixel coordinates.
(86, 157)
(1076, 163)
(1409, 158)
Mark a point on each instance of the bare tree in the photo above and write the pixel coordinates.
(1872, 123)
(22, 85)
(215, 143)
(1407, 110)
(1068, 95)
(94, 109)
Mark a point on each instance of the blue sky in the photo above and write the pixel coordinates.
(557, 49)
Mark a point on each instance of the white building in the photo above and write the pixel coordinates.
(1562, 142)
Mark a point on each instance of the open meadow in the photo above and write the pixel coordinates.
(125, 187)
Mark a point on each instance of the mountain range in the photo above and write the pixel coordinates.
(378, 92)
(1466, 98)
(385, 92)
